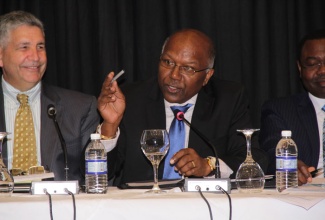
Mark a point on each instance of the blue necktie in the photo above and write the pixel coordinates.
(323, 108)
(177, 142)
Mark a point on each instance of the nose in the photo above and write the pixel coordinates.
(175, 73)
(34, 54)
(321, 68)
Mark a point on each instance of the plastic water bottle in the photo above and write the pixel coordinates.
(286, 154)
(96, 166)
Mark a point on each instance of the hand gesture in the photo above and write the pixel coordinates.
(111, 106)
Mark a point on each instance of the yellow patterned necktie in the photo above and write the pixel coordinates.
(24, 140)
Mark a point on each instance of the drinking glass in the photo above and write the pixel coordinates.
(6, 180)
(250, 176)
(155, 144)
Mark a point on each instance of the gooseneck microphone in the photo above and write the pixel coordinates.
(51, 111)
(180, 116)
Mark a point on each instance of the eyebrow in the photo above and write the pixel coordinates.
(185, 63)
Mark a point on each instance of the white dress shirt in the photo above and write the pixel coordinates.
(11, 105)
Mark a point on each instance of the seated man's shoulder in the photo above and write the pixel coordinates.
(224, 88)
(66, 95)
(140, 87)
(291, 100)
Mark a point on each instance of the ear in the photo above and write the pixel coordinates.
(299, 68)
(208, 76)
(1, 63)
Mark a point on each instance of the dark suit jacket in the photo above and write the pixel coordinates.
(221, 108)
(77, 117)
(295, 113)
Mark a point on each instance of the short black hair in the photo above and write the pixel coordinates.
(315, 35)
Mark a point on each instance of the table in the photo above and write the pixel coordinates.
(135, 204)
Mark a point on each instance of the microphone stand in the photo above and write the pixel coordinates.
(56, 187)
(208, 185)
(64, 147)
(205, 139)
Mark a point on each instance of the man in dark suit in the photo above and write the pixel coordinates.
(219, 109)
(23, 61)
(300, 113)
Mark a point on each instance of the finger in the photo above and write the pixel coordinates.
(301, 178)
(311, 169)
(177, 156)
(108, 80)
(304, 173)
(188, 169)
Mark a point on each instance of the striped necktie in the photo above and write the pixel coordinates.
(177, 142)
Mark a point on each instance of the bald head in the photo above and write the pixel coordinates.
(197, 39)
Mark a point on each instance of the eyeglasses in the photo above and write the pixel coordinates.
(313, 64)
(184, 70)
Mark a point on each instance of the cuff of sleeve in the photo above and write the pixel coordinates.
(103, 137)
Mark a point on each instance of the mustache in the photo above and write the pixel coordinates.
(320, 77)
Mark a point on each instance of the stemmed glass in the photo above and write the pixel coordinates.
(250, 176)
(155, 144)
(6, 180)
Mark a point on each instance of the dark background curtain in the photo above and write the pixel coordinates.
(255, 39)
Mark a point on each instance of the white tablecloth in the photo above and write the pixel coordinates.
(135, 204)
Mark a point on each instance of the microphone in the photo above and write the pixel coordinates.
(56, 187)
(51, 111)
(180, 116)
(208, 185)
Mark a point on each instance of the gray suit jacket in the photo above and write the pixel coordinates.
(77, 117)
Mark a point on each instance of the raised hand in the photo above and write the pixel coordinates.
(111, 106)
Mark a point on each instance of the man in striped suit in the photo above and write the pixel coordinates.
(302, 113)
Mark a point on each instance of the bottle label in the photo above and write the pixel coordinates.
(287, 163)
(96, 167)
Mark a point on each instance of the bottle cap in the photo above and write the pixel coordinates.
(286, 133)
(95, 136)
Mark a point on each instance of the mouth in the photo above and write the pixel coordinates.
(173, 89)
(32, 68)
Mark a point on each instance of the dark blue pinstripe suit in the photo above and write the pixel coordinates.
(295, 113)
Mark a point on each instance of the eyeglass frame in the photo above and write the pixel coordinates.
(161, 62)
(315, 66)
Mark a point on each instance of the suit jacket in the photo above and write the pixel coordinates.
(295, 113)
(77, 117)
(220, 109)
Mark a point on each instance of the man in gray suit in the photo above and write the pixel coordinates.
(23, 61)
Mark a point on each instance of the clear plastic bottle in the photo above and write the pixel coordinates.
(286, 154)
(96, 166)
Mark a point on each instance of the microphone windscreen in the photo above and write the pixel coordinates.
(180, 115)
(51, 111)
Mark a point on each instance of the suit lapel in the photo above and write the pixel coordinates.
(3, 125)
(202, 112)
(49, 136)
(155, 110)
(307, 115)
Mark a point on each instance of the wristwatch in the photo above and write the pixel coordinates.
(212, 162)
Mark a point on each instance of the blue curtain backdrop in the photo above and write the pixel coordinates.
(255, 39)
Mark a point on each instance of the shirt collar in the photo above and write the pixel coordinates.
(190, 101)
(11, 92)
(317, 102)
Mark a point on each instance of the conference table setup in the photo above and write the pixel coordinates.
(304, 202)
